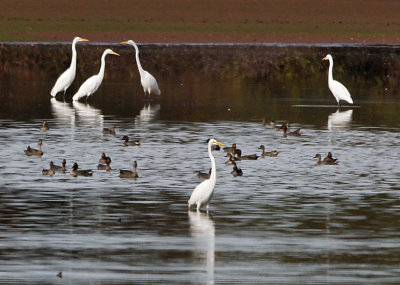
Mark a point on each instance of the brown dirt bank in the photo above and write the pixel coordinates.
(290, 21)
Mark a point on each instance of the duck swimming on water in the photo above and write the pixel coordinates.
(204, 175)
(326, 161)
(31, 151)
(231, 158)
(236, 170)
(75, 172)
(231, 149)
(268, 153)
(57, 167)
(44, 127)
(49, 172)
(127, 142)
(106, 166)
(104, 158)
(287, 132)
(109, 131)
(129, 173)
(245, 157)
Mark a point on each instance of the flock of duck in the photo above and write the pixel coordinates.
(202, 194)
(104, 161)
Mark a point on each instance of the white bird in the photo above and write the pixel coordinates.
(149, 83)
(202, 194)
(338, 90)
(67, 77)
(93, 83)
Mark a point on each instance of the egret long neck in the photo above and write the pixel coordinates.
(330, 77)
(103, 66)
(73, 60)
(138, 60)
(213, 169)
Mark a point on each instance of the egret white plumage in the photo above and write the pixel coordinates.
(149, 83)
(338, 90)
(202, 194)
(93, 83)
(67, 77)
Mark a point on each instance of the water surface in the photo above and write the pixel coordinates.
(285, 221)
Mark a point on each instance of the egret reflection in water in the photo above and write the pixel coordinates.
(340, 120)
(88, 114)
(63, 112)
(202, 229)
(148, 113)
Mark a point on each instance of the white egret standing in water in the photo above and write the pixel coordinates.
(149, 83)
(338, 90)
(202, 194)
(93, 83)
(67, 77)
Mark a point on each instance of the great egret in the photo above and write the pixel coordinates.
(93, 83)
(68, 76)
(202, 194)
(149, 83)
(338, 90)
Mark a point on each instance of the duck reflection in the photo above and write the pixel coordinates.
(202, 230)
(340, 120)
(148, 113)
(88, 114)
(63, 112)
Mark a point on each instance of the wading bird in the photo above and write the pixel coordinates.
(67, 77)
(93, 83)
(338, 90)
(202, 194)
(149, 83)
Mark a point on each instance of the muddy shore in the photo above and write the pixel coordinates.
(223, 21)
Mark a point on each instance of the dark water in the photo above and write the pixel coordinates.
(285, 221)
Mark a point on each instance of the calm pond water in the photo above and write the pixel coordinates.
(285, 221)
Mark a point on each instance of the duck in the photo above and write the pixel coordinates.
(129, 173)
(31, 151)
(104, 158)
(270, 123)
(109, 131)
(127, 142)
(231, 149)
(236, 170)
(106, 166)
(287, 132)
(231, 158)
(215, 147)
(49, 172)
(325, 161)
(61, 168)
(44, 127)
(75, 172)
(330, 158)
(268, 153)
(204, 174)
(245, 157)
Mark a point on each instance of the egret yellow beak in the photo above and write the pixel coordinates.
(221, 144)
(116, 53)
(124, 42)
(325, 58)
(84, 40)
